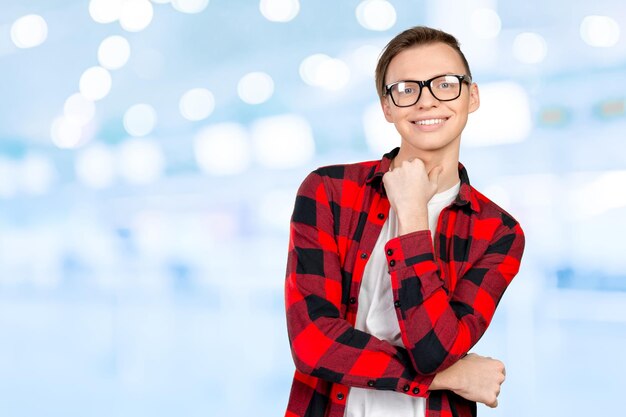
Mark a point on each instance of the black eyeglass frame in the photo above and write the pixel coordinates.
(462, 79)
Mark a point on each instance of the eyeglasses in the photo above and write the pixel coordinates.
(443, 87)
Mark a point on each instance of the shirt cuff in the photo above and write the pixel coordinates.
(413, 251)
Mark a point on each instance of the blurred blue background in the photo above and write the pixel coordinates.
(149, 158)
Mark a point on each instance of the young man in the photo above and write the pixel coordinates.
(396, 266)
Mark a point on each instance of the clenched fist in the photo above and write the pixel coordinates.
(409, 189)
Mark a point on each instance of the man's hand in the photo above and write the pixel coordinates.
(409, 189)
(475, 378)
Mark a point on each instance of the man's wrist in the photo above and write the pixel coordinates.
(445, 380)
(412, 223)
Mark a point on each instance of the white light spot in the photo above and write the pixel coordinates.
(196, 104)
(36, 174)
(105, 11)
(495, 123)
(141, 161)
(79, 109)
(190, 6)
(95, 166)
(95, 83)
(320, 70)
(29, 31)
(600, 31)
(283, 142)
(114, 52)
(380, 135)
(530, 48)
(279, 10)
(140, 119)
(485, 23)
(222, 149)
(255, 87)
(66, 133)
(378, 15)
(136, 15)
(161, 1)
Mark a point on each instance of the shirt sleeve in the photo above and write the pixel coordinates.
(323, 344)
(439, 328)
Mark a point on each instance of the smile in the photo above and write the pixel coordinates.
(428, 122)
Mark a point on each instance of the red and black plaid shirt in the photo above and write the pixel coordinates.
(445, 293)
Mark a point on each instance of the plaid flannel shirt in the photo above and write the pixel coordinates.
(445, 293)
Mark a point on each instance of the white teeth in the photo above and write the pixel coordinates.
(429, 121)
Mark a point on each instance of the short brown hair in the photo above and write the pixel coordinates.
(415, 36)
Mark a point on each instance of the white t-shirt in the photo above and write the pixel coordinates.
(376, 315)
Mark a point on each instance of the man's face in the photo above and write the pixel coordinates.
(430, 124)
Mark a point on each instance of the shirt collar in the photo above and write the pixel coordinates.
(466, 195)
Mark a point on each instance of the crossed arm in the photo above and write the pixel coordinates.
(439, 330)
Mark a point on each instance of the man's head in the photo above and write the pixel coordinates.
(426, 91)
(410, 38)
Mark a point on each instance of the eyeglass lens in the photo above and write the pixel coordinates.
(446, 87)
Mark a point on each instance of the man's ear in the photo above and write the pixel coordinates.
(385, 103)
(474, 98)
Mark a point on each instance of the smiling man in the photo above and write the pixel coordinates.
(396, 266)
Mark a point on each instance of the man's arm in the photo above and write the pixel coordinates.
(439, 329)
(323, 344)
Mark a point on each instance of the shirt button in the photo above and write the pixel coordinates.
(397, 304)
(370, 383)
(406, 388)
(416, 390)
(363, 255)
(340, 396)
(392, 262)
(389, 252)
(352, 300)
(381, 216)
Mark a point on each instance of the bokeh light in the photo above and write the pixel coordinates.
(29, 31)
(320, 70)
(95, 83)
(136, 15)
(494, 123)
(255, 87)
(190, 6)
(530, 48)
(485, 23)
(79, 109)
(140, 161)
(66, 133)
(283, 142)
(279, 10)
(196, 104)
(95, 166)
(600, 31)
(114, 52)
(105, 11)
(140, 119)
(223, 149)
(37, 173)
(378, 15)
